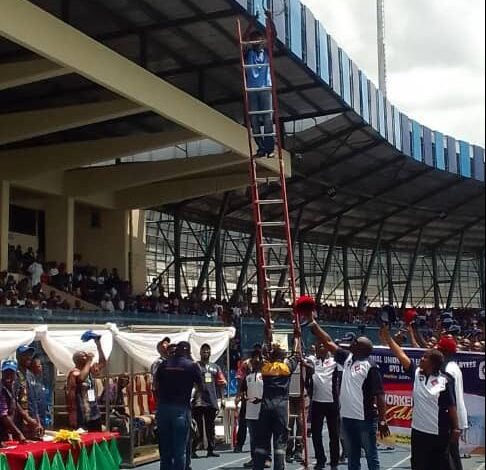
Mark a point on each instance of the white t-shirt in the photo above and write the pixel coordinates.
(455, 372)
(324, 380)
(254, 384)
(36, 270)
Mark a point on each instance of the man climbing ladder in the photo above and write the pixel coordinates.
(261, 108)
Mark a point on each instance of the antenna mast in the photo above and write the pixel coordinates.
(380, 5)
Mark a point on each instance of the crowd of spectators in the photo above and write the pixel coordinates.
(30, 289)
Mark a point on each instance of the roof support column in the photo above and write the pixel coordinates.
(455, 273)
(413, 263)
(60, 231)
(212, 243)
(347, 287)
(482, 286)
(4, 223)
(218, 257)
(389, 274)
(177, 255)
(371, 265)
(302, 283)
(435, 279)
(327, 264)
(246, 263)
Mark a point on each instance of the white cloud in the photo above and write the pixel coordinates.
(435, 54)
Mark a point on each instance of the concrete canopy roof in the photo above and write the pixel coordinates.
(192, 46)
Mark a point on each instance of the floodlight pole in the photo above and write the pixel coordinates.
(380, 7)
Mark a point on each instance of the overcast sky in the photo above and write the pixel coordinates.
(435, 56)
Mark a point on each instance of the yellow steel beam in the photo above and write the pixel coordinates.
(87, 181)
(25, 163)
(15, 74)
(69, 47)
(168, 192)
(24, 125)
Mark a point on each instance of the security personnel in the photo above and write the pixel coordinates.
(205, 404)
(325, 404)
(434, 418)
(274, 413)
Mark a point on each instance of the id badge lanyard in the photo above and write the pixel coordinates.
(91, 390)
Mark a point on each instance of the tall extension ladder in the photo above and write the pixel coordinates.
(269, 274)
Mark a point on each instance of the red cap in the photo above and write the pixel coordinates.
(410, 315)
(305, 302)
(447, 345)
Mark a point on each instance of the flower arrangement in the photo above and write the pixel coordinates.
(72, 437)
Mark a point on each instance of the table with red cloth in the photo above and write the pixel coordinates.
(18, 454)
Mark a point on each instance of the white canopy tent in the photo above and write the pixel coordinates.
(60, 342)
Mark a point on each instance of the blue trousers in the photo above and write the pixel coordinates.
(262, 101)
(359, 435)
(173, 422)
(273, 422)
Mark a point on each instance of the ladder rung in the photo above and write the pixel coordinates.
(251, 43)
(268, 179)
(280, 223)
(273, 134)
(276, 288)
(275, 267)
(255, 90)
(264, 202)
(280, 309)
(272, 245)
(254, 66)
(267, 111)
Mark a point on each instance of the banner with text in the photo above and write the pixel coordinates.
(398, 393)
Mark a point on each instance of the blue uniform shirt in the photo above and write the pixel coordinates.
(258, 77)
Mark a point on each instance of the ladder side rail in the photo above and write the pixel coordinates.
(254, 189)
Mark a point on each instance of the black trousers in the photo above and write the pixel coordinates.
(205, 418)
(242, 427)
(455, 456)
(430, 451)
(330, 411)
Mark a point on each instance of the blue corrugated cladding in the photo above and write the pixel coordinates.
(345, 76)
(295, 17)
(373, 105)
(335, 69)
(440, 160)
(381, 113)
(406, 135)
(478, 165)
(310, 41)
(323, 56)
(397, 128)
(355, 88)
(427, 140)
(365, 98)
(280, 19)
(451, 155)
(417, 141)
(465, 159)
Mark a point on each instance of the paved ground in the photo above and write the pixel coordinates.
(395, 459)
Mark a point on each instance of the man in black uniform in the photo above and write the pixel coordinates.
(205, 403)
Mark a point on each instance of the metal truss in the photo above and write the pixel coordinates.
(221, 263)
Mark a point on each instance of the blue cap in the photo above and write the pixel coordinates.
(25, 350)
(9, 365)
(446, 315)
(348, 338)
(88, 336)
(454, 330)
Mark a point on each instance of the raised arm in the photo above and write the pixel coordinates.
(395, 348)
(323, 337)
(102, 358)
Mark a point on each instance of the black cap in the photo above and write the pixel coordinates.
(183, 348)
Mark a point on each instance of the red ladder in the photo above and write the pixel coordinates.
(269, 274)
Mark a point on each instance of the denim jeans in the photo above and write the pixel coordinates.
(262, 101)
(173, 422)
(359, 434)
(273, 422)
